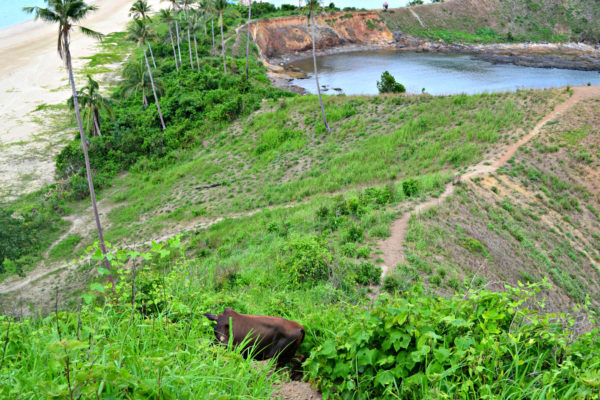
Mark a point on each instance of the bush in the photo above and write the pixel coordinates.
(410, 187)
(368, 274)
(388, 84)
(305, 259)
(16, 235)
(420, 346)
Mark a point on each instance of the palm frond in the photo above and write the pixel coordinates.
(91, 33)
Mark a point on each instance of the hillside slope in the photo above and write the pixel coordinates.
(519, 20)
(537, 218)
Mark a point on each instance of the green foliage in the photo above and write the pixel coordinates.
(14, 236)
(417, 346)
(305, 259)
(388, 84)
(368, 274)
(410, 187)
(65, 248)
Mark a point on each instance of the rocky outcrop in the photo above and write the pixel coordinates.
(579, 56)
(279, 38)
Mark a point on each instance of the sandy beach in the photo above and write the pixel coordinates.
(31, 74)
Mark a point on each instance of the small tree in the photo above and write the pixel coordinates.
(388, 84)
(91, 103)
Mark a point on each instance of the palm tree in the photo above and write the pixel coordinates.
(175, 8)
(139, 34)
(212, 28)
(137, 81)
(188, 22)
(67, 13)
(220, 6)
(91, 103)
(166, 16)
(195, 25)
(312, 6)
(140, 10)
(205, 7)
(248, 37)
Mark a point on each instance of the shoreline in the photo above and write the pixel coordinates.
(578, 56)
(572, 56)
(32, 75)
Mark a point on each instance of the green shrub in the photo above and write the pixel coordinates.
(354, 233)
(388, 84)
(363, 252)
(368, 274)
(410, 187)
(419, 346)
(305, 259)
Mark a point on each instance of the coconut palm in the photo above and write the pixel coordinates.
(195, 27)
(139, 34)
(91, 103)
(137, 81)
(175, 9)
(67, 14)
(220, 6)
(205, 7)
(140, 10)
(248, 37)
(312, 6)
(187, 21)
(166, 16)
(212, 28)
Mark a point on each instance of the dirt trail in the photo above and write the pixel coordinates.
(392, 248)
(416, 16)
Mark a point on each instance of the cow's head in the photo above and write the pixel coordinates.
(221, 329)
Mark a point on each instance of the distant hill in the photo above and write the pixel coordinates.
(518, 20)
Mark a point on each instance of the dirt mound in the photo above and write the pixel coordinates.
(296, 391)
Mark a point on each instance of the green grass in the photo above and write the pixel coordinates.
(65, 249)
(283, 154)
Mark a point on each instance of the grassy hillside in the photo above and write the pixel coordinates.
(500, 20)
(246, 201)
(541, 209)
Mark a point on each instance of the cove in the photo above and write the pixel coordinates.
(437, 73)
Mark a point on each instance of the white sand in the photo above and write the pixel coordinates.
(31, 74)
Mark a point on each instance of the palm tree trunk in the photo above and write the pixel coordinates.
(162, 121)
(190, 48)
(312, 25)
(212, 27)
(152, 55)
(96, 124)
(173, 45)
(248, 37)
(178, 40)
(205, 30)
(222, 41)
(196, 47)
(88, 168)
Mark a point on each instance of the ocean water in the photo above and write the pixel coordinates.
(358, 73)
(11, 11)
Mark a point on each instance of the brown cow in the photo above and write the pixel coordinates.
(268, 336)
